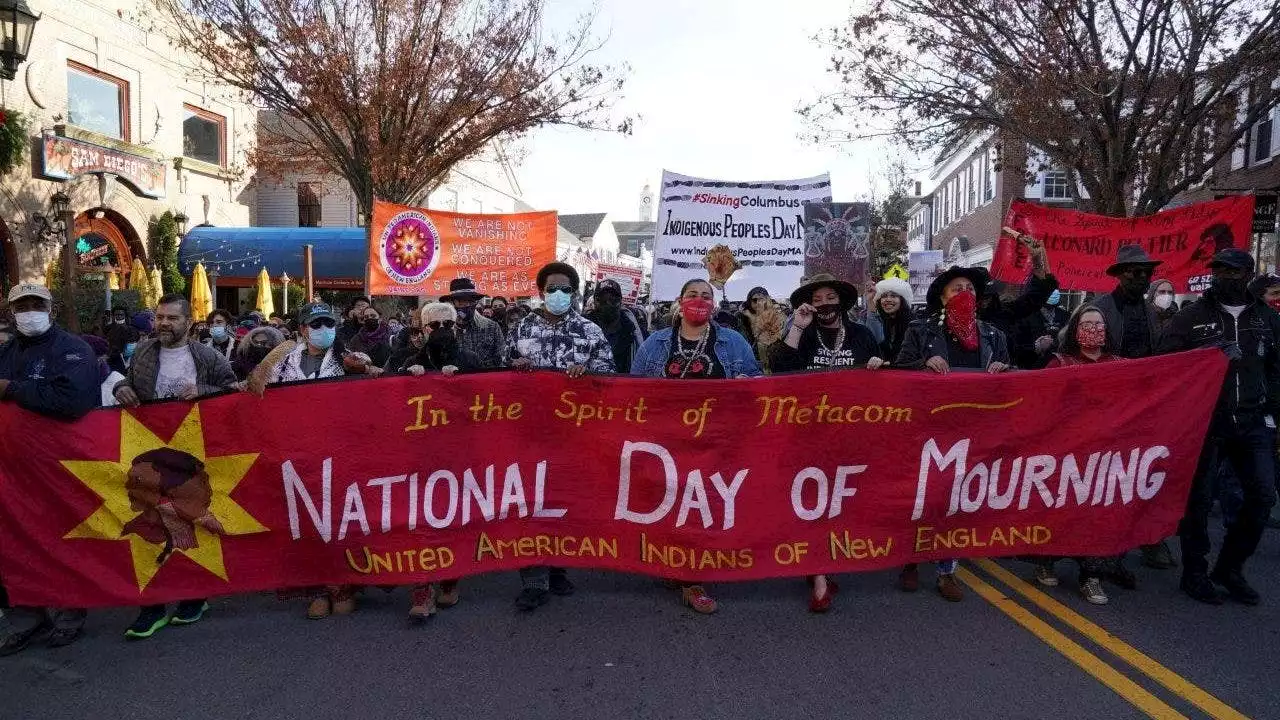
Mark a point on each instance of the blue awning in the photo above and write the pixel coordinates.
(338, 253)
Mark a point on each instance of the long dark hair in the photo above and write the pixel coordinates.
(1067, 343)
(899, 321)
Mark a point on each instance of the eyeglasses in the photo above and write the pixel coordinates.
(560, 288)
(1093, 325)
(322, 322)
(440, 324)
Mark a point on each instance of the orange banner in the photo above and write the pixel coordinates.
(415, 251)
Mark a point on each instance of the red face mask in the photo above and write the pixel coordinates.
(1091, 338)
(696, 311)
(962, 319)
(1275, 304)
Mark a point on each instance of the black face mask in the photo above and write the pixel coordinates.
(371, 325)
(1135, 287)
(442, 345)
(826, 313)
(1234, 291)
(465, 315)
(607, 312)
(257, 353)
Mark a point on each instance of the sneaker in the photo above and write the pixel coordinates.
(1238, 588)
(1158, 556)
(696, 597)
(18, 641)
(561, 584)
(424, 604)
(1121, 576)
(909, 579)
(62, 637)
(449, 595)
(189, 612)
(1201, 588)
(1092, 591)
(1045, 576)
(531, 599)
(151, 619)
(949, 588)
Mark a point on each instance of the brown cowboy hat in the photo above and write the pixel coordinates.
(847, 292)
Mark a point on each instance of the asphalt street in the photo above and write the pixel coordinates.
(623, 647)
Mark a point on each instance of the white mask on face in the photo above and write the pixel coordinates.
(32, 323)
(1163, 301)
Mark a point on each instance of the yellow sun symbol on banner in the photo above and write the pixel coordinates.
(107, 478)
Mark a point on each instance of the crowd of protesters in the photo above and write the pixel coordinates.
(965, 322)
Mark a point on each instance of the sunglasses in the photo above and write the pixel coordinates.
(560, 288)
(322, 323)
(441, 324)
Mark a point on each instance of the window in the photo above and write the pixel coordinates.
(988, 178)
(1056, 186)
(308, 204)
(97, 101)
(204, 136)
(973, 188)
(1262, 139)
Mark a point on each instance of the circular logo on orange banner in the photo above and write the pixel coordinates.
(410, 247)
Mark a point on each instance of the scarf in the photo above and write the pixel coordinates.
(372, 339)
(961, 318)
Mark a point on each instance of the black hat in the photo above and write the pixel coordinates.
(1232, 258)
(608, 285)
(1131, 255)
(462, 289)
(314, 310)
(758, 290)
(558, 268)
(976, 275)
(847, 292)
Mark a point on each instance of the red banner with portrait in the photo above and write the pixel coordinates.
(402, 480)
(1081, 246)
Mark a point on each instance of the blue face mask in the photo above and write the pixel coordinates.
(322, 338)
(128, 349)
(218, 332)
(1055, 297)
(558, 302)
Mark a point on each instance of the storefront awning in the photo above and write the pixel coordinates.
(238, 254)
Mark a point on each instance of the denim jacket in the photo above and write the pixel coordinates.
(732, 351)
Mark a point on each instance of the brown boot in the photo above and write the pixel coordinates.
(449, 595)
(344, 599)
(424, 604)
(949, 588)
(320, 608)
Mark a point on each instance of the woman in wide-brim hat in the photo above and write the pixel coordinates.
(847, 292)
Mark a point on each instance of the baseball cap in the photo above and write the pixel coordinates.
(1232, 258)
(312, 311)
(30, 290)
(608, 285)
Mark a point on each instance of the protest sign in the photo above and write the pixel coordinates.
(762, 222)
(1082, 246)
(837, 240)
(405, 480)
(923, 266)
(415, 251)
(628, 278)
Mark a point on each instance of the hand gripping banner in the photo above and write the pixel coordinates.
(403, 480)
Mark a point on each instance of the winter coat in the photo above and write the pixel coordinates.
(484, 337)
(1109, 306)
(925, 339)
(732, 352)
(1252, 386)
(1005, 315)
(1032, 328)
(53, 374)
(213, 371)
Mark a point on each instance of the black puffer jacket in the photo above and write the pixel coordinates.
(1252, 386)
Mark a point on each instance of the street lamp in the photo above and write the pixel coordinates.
(181, 218)
(17, 23)
(284, 293)
(62, 211)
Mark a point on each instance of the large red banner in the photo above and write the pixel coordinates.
(401, 480)
(1082, 246)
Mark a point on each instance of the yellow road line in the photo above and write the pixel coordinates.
(1131, 691)
(1177, 684)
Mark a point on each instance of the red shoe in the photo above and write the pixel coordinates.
(822, 604)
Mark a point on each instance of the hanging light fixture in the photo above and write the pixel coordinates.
(17, 23)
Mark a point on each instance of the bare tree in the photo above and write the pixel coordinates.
(1139, 99)
(391, 94)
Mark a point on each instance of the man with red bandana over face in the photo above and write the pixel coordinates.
(951, 337)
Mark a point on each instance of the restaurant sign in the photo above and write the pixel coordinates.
(67, 158)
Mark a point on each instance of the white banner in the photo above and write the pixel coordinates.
(762, 222)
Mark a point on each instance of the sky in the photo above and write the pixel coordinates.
(716, 85)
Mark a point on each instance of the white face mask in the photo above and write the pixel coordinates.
(32, 323)
(1163, 301)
